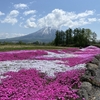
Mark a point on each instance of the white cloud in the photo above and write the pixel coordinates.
(92, 19)
(10, 35)
(85, 14)
(10, 20)
(30, 23)
(76, 23)
(1, 13)
(14, 13)
(11, 17)
(29, 12)
(21, 6)
(54, 19)
(58, 18)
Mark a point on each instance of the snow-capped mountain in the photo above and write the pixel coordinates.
(47, 30)
(46, 34)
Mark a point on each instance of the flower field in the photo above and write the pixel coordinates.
(43, 74)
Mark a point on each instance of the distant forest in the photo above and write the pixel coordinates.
(75, 37)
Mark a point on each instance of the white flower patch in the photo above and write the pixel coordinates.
(48, 67)
(62, 55)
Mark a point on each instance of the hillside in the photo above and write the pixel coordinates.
(43, 35)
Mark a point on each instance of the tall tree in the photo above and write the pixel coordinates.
(79, 37)
(56, 41)
(94, 37)
(62, 37)
(76, 38)
(69, 37)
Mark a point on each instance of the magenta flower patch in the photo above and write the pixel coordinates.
(43, 74)
(20, 55)
(32, 84)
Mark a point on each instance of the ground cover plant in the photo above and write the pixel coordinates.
(43, 74)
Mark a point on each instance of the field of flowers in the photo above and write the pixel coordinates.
(43, 74)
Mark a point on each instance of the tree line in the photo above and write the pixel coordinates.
(75, 37)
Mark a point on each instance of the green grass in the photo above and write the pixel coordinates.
(27, 47)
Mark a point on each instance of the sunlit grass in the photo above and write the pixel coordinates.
(27, 47)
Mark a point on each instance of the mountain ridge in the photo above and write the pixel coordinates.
(46, 34)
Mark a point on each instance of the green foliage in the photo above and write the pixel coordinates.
(77, 37)
(60, 38)
(21, 43)
(69, 38)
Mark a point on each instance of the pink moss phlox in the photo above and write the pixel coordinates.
(31, 84)
(20, 55)
(68, 50)
(83, 56)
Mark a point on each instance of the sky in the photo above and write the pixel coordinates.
(22, 17)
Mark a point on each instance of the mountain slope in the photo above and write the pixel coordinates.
(43, 35)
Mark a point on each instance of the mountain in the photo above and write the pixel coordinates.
(43, 35)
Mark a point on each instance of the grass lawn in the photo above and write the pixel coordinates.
(27, 47)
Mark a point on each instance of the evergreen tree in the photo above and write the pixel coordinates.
(56, 41)
(79, 37)
(94, 37)
(69, 37)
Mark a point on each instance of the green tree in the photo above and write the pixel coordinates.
(62, 37)
(56, 41)
(78, 37)
(82, 36)
(69, 37)
(93, 37)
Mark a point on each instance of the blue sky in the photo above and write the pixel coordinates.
(21, 17)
